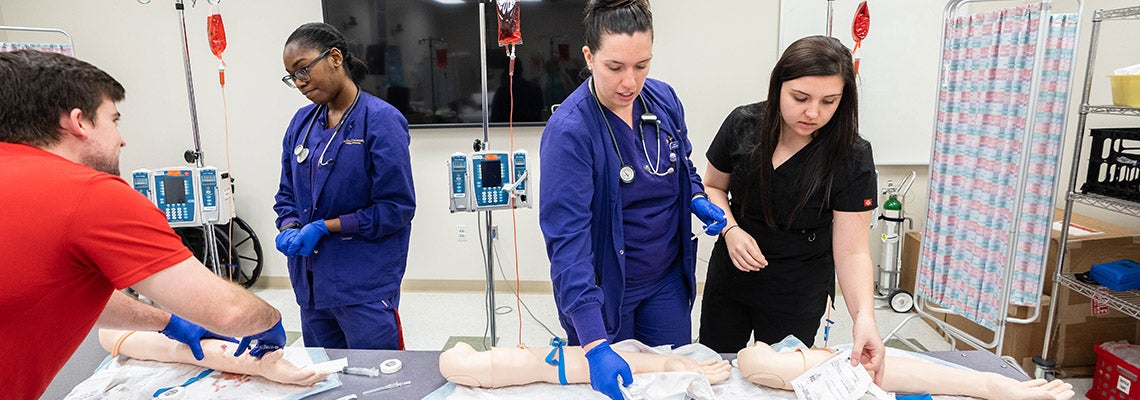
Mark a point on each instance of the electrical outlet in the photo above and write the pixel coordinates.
(494, 231)
(461, 233)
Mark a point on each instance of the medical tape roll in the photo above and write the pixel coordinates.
(391, 366)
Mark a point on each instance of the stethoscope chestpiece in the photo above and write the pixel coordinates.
(627, 173)
(650, 118)
(301, 152)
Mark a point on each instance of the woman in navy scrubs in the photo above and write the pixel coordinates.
(617, 188)
(802, 183)
(346, 199)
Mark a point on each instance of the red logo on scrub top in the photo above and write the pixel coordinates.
(866, 202)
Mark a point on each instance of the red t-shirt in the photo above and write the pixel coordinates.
(69, 236)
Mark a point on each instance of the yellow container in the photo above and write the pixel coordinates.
(1125, 90)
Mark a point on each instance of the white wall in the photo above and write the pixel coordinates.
(716, 57)
(140, 46)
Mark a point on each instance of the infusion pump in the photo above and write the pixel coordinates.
(188, 196)
(488, 180)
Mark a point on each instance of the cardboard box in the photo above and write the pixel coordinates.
(1071, 345)
(911, 248)
(1115, 243)
(1076, 330)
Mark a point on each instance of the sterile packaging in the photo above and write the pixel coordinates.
(1129, 70)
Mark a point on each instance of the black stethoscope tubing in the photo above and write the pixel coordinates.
(302, 151)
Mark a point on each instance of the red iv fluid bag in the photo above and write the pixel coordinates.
(509, 31)
(217, 34)
(862, 23)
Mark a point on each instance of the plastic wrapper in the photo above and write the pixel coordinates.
(1130, 353)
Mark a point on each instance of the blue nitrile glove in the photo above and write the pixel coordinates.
(710, 214)
(605, 367)
(190, 333)
(310, 235)
(287, 242)
(267, 342)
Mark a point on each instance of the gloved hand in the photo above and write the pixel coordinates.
(190, 333)
(710, 214)
(287, 242)
(310, 235)
(267, 342)
(605, 367)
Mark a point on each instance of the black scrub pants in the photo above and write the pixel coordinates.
(785, 298)
(727, 323)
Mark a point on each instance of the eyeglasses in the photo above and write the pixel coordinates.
(302, 74)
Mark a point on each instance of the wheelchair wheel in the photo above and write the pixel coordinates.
(244, 267)
(247, 261)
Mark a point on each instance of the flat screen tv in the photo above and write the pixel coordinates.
(423, 57)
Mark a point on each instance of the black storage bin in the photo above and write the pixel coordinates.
(1114, 163)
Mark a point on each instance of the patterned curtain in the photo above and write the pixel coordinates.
(983, 109)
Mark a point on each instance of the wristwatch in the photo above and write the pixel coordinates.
(291, 225)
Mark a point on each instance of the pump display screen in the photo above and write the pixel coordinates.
(492, 174)
(174, 190)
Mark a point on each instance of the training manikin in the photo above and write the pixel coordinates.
(759, 364)
(219, 355)
(507, 366)
(762, 365)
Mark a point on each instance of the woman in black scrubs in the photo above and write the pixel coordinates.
(802, 183)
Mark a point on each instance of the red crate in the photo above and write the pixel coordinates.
(1114, 378)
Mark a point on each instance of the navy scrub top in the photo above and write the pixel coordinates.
(582, 208)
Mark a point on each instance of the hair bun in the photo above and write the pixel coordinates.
(612, 4)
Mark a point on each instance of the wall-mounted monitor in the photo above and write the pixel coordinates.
(423, 57)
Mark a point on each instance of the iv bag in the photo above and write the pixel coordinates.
(441, 57)
(217, 33)
(509, 31)
(862, 23)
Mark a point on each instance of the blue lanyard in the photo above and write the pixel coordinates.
(205, 373)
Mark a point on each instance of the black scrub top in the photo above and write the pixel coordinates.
(801, 270)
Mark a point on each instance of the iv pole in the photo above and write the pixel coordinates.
(210, 256)
(431, 70)
(486, 140)
(830, 15)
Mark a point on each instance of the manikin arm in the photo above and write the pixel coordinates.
(154, 346)
(762, 365)
(507, 366)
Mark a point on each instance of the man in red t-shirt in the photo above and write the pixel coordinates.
(72, 232)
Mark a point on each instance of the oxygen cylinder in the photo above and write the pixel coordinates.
(892, 225)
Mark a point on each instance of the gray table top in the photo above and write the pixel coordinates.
(422, 369)
(419, 367)
(981, 361)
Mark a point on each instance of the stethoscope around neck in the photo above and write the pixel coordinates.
(627, 173)
(302, 151)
